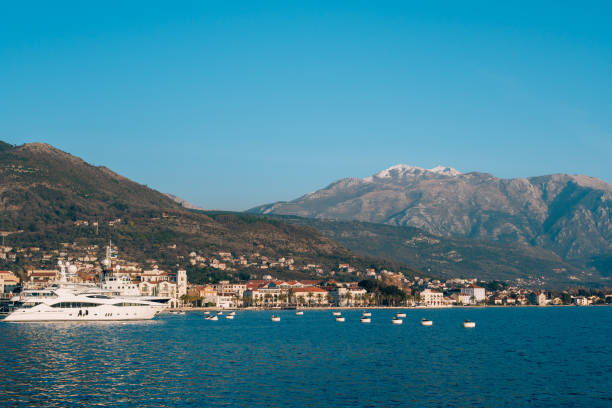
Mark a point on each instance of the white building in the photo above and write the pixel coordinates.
(476, 293)
(463, 298)
(348, 296)
(431, 298)
(181, 283)
(581, 301)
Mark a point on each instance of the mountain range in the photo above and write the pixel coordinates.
(467, 225)
(567, 214)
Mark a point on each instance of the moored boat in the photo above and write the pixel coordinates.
(397, 320)
(299, 313)
(401, 314)
(74, 303)
(365, 319)
(336, 313)
(275, 318)
(366, 314)
(469, 324)
(426, 322)
(340, 319)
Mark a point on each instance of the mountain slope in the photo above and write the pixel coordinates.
(570, 215)
(455, 257)
(45, 194)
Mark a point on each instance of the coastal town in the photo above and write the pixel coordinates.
(345, 286)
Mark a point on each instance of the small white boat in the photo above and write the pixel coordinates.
(400, 314)
(275, 318)
(207, 312)
(469, 324)
(426, 322)
(299, 313)
(340, 319)
(397, 320)
(229, 316)
(220, 313)
(336, 313)
(366, 314)
(365, 319)
(213, 318)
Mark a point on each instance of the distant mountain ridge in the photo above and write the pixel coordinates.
(455, 257)
(568, 214)
(184, 203)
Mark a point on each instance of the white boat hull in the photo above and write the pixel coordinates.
(86, 314)
(366, 320)
(426, 323)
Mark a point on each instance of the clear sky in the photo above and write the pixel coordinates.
(232, 104)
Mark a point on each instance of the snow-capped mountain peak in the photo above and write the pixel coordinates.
(449, 171)
(402, 170)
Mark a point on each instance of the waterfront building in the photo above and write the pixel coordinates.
(538, 298)
(225, 286)
(580, 301)
(181, 283)
(476, 293)
(8, 281)
(431, 298)
(264, 296)
(462, 298)
(351, 296)
(41, 278)
(310, 295)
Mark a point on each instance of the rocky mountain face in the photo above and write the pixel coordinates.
(48, 196)
(568, 214)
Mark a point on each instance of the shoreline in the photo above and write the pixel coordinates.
(335, 308)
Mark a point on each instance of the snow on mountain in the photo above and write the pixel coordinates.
(403, 170)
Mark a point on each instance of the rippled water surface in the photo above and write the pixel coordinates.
(513, 358)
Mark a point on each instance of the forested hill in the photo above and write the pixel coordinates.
(46, 195)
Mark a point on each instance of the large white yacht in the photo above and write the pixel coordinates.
(81, 303)
(115, 298)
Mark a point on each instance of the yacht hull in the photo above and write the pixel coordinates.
(99, 313)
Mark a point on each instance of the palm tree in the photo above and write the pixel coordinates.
(247, 301)
(290, 296)
(348, 297)
(237, 299)
(282, 298)
(319, 298)
(309, 298)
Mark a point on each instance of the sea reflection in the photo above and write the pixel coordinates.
(514, 357)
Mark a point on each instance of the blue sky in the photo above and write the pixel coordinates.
(232, 104)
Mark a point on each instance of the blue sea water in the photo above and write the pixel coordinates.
(515, 357)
